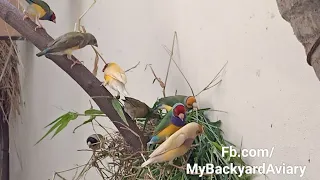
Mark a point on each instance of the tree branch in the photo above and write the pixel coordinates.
(304, 19)
(79, 73)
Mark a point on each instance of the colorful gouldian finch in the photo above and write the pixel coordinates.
(169, 124)
(189, 101)
(115, 78)
(96, 141)
(39, 10)
(69, 42)
(137, 109)
(176, 145)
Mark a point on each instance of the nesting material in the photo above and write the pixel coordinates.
(9, 79)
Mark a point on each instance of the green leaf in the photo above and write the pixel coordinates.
(93, 112)
(85, 122)
(117, 106)
(217, 123)
(62, 126)
(50, 130)
(60, 123)
(59, 118)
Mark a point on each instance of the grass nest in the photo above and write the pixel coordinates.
(9, 79)
(117, 160)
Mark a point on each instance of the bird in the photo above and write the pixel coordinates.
(67, 43)
(115, 78)
(138, 109)
(189, 101)
(95, 141)
(169, 124)
(39, 10)
(176, 145)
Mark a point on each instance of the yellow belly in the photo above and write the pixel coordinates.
(168, 131)
(36, 10)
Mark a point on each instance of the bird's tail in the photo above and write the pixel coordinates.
(125, 92)
(149, 161)
(42, 53)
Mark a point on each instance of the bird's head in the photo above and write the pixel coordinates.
(191, 102)
(179, 110)
(92, 40)
(94, 140)
(200, 129)
(53, 17)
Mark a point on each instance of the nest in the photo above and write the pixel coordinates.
(9, 79)
(116, 160)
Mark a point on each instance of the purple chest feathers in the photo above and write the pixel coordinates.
(177, 121)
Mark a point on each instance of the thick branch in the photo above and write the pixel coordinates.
(79, 73)
(304, 17)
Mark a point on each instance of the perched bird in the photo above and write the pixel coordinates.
(176, 145)
(69, 42)
(96, 141)
(137, 109)
(39, 10)
(115, 78)
(169, 124)
(189, 101)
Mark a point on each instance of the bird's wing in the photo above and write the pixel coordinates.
(171, 143)
(120, 77)
(118, 73)
(44, 5)
(171, 100)
(66, 41)
(163, 123)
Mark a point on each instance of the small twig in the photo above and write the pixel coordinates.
(217, 75)
(125, 127)
(95, 50)
(133, 67)
(157, 78)
(108, 97)
(147, 167)
(6, 63)
(171, 54)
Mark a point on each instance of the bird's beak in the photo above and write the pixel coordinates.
(181, 116)
(195, 105)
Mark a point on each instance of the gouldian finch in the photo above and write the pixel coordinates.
(189, 101)
(115, 78)
(169, 124)
(176, 145)
(39, 10)
(96, 141)
(138, 109)
(69, 42)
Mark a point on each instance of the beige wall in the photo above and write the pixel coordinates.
(267, 82)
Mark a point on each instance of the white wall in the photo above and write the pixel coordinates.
(267, 82)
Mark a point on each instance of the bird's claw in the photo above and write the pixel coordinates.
(25, 17)
(75, 62)
(118, 97)
(38, 27)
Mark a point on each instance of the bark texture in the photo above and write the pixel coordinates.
(304, 17)
(79, 73)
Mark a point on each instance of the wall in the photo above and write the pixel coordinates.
(268, 90)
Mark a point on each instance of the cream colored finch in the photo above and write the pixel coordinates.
(115, 78)
(176, 145)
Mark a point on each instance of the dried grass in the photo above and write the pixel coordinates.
(9, 79)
